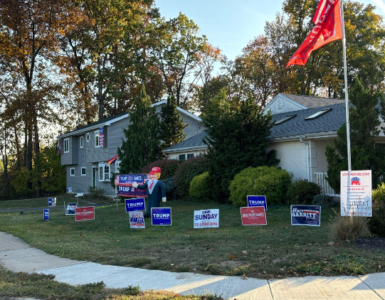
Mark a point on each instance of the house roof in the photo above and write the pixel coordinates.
(296, 126)
(330, 121)
(108, 121)
(312, 102)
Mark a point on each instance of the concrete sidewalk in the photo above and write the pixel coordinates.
(18, 256)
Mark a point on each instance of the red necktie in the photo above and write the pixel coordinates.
(151, 185)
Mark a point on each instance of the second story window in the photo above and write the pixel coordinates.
(97, 138)
(88, 137)
(66, 145)
(81, 142)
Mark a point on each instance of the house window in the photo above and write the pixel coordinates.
(83, 173)
(318, 113)
(97, 138)
(190, 156)
(88, 137)
(66, 145)
(81, 142)
(182, 157)
(72, 171)
(104, 172)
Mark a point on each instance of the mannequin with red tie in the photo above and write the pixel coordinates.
(156, 190)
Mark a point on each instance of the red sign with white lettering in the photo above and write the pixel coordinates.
(84, 213)
(253, 216)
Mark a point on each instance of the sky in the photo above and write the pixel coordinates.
(231, 24)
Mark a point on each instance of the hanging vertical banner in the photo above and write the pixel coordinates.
(161, 216)
(138, 204)
(305, 215)
(252, 216)
(356, 193)
(46, 214)
(137, 219)
(255, 201)
(101, 137)
(84, 213)
(208, 218)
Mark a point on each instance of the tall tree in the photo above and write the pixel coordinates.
(364, 124)
(237, 134)
(171, 126)
(142, 142)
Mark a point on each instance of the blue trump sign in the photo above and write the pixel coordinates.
(137, 204)
(161, 216)
(51, 201)
(130, 178)
(256, 201)
(46, 214)
(305, 215)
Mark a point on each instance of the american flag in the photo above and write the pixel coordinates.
(101, 137)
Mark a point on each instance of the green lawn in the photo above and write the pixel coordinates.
(37, 202)
(273, 251)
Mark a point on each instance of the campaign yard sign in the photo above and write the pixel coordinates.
(305, 215)
(84, 213)
(161, 216)
(125, 188)
(208, 218)
(138, 204)
(70, 209)
(356, 193)
(255, 201)
(252, 216)
(129, 191)
(46, 214)
(137, 219)
(69, 189)
(51, 202)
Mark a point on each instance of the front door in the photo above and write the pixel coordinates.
(93, 177)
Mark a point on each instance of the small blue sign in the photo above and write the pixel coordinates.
(256, 201)
(69, 189)
(130, 178)
(306, 215)
(46, 214)
(138, 204)
(51, 201)
(161, 216)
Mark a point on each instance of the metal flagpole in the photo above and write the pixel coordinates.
(346, 87)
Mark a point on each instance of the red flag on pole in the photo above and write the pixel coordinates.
(328, 29)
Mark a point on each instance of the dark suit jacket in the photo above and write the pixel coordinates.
(153, 200)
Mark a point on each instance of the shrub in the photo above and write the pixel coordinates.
(96, 192)
(302, 192)
(348, 228)
(200, 189)
(170, 188)
(269, 181)
(167, 166)
(186, 172)
(376, 223)
(323, 200)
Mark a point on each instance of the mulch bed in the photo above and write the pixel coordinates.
(376, 243)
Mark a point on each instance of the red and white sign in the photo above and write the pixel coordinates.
(356, 193)
(85, 213)
(253, 216)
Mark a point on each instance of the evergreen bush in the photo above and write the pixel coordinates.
(302, 192)
(170, 188)
(269, 181)
(186, 172)
(200, 189)
(167, 166)
(324, 201)
(376, 223)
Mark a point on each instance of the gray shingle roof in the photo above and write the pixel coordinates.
(330, 121)
(312, 102)
(192, 142)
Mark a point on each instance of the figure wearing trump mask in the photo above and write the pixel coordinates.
(155, 190)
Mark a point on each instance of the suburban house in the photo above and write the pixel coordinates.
(304, 126)
(89, 152)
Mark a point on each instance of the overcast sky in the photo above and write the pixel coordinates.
(231, 24)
